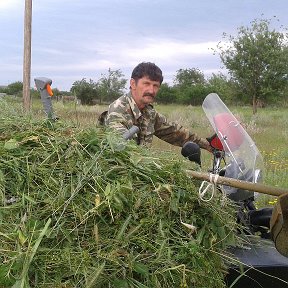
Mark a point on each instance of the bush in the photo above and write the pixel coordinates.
(15, 88)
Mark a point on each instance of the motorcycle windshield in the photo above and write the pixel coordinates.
(243, 159)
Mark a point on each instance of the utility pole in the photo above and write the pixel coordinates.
(27, 55)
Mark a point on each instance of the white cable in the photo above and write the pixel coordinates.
(203, 191)
(224, 199)
(206, 186)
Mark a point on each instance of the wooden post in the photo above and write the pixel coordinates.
(27, 56)
(255, 187)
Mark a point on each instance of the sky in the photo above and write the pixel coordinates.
(75, 39)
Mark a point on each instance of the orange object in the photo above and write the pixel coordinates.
(49, 90)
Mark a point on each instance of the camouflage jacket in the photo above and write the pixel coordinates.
(123, 113)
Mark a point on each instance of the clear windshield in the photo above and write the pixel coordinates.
(243, 159)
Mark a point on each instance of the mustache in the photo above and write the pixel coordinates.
(148, 94)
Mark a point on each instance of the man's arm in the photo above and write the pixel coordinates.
(116, 121)
(119, 115)
(176, 134)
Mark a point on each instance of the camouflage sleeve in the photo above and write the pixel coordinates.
(119, 116)
(117, 119)
(176, 134)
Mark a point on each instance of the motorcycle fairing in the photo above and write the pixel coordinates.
(244, 161)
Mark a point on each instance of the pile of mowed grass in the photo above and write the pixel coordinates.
(82, 208)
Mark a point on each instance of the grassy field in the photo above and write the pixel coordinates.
(268, 128)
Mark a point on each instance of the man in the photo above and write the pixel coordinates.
(136, 109)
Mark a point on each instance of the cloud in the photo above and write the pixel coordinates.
(91, 60)
(167, 48)
(75, 67)
(9, 4)
(147, 49)
(100, 54)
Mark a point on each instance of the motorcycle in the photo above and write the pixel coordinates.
(235, 156)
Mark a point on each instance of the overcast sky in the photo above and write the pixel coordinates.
(75, 39)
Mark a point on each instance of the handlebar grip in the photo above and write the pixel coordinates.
(131, 132)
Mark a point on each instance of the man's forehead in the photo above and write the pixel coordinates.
(147, 79)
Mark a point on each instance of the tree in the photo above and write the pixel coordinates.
(111, 86)
(166, 94)
(190, 85)
(189, 77)
(85, 91)
(15, 88)
(193, 95)
(224, 86)
(257, 59)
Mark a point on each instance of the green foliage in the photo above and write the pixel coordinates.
(166, 94)
(226, 88)
(91, 209)
(189, 77)
(190, 86)
(111, 86)
(193, 95)
(85, 91)
(15, 88)
(106, 89)
(3, 89)
(257, 59)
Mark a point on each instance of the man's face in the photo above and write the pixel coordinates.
(144, 91)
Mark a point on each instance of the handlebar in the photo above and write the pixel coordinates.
(128, 135)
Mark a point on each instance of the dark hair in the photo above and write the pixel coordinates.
(147, 69)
